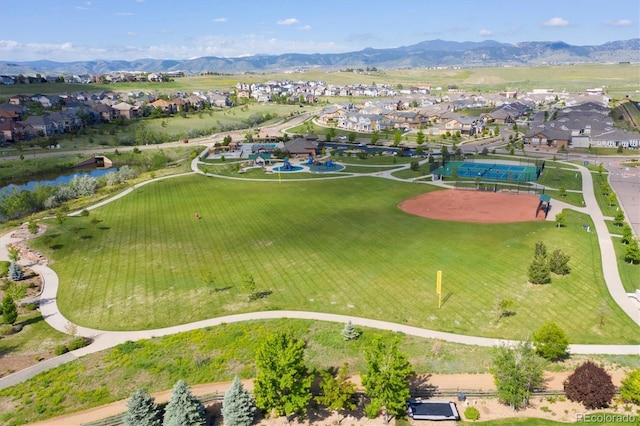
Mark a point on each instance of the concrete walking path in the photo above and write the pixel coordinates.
(107, 339)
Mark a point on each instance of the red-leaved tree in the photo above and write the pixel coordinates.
(591, 385)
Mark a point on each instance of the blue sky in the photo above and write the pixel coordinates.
(78, 30)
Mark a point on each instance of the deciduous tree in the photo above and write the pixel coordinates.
(591, 385)
(282, 384)
(9, 310)
(551, 342)
(337, 392)
(387, 377)
(517, 372)
(630, 389)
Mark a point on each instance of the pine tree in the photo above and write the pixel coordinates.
(9, 310)
(183, 408)
(541, 250)
(349, 332)
(141, 410)
(558, 262)
(539, 271)
(15, 272)
(238, 406)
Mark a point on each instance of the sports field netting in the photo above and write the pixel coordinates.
(489, 171)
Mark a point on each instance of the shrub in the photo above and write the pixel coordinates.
(591, 385)
(77, 343)
(6, 330)
(550, 342)
(630, 389)
(4, 268)
(60, 349)
(84, 213)
(472, 413)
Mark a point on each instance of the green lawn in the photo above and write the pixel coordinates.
(218, 354)
(558, 177)
(629, 274)
(36, 337)
(338, 246)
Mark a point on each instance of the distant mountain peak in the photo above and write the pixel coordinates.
(429, 53)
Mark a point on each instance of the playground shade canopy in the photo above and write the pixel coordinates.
(432, 410)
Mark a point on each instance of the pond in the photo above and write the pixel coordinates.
(58, 180)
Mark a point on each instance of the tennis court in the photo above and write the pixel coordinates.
(489, 171)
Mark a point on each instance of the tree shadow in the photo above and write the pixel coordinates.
(220, 289)
(56, 246)
(104, 228)
(261, 295)
(86, 237)
(419, 386)
(32, 321)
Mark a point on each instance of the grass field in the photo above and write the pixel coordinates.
(619, 79)
(217, 354)
(334, 246)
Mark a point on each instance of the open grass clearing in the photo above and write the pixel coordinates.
(218, 354)
(558, 177)
(333, 246)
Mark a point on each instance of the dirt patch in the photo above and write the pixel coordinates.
(474, 206)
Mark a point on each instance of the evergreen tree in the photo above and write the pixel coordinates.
(282, 384)
(183, 408)
(387, 378)
(349, 332)
(238, 406)
(141, 410)
(9, 310)
(558, 262)
(550, 342)
(337, 392)
(517, 372)
(541, 249)
(539, 271)
(15, 272)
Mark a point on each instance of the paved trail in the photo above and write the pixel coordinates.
(108, 339)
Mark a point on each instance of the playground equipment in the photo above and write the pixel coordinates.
(544, 205)
(287, 165)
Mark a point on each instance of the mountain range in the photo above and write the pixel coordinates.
(433, 53)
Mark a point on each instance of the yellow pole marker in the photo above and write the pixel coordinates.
(439, 288)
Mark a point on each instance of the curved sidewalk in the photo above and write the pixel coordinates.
(107, 339)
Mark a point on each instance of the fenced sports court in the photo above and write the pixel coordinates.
(482, 171)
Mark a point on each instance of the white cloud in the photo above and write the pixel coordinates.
(555, 22)
(620, 23)
(305, 27)
(219, 19)
(132, 34)
(288, 21)
(218, 45)
(485, 33)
